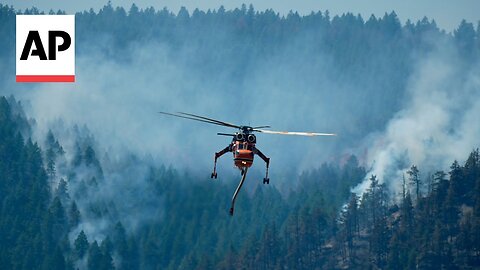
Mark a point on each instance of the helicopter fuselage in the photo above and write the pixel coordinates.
(243, 148)
(243, 154)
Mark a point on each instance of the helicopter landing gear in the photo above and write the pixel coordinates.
(214, 173)
(217, 155)
(266, 180)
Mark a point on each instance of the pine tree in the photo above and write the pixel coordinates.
(414, 179)
(81, 245)
(78, 157)
(407, 219)
(451, 212)
(59, 220)
(107, 261)
(456, 183)
(50, 157)
(62, 192)
(463, 242)
(73, 215)
(95, 257)
(351, 222)
(471, 174)
(119, 240)
(465, 38)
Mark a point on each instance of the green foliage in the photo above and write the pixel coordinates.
(95, 257)
(300, 231)
(191, 230)
(81, 245)
(26, 223)
(414, 179)
(73, 216)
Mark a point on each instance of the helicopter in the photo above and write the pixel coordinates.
(243, 146)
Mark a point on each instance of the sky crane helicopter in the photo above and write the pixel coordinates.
(242, 146)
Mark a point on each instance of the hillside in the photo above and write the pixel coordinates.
(91, 177)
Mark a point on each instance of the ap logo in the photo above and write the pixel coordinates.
(45, 48)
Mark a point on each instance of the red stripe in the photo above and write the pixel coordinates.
(45, 78)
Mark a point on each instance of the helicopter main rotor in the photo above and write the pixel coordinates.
(242, 129)
(243, 145)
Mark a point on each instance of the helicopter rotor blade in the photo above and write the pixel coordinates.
(256, 129)
(196, 119)
(226, 134)
(261, 127)
(210, 119)
(294, 133)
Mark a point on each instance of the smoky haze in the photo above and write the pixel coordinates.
(395, 94)
(297, 86)
(438, 124)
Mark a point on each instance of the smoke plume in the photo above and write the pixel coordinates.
(438, 124)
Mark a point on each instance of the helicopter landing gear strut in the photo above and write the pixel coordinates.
(244, 175)
(266, 180)
(217, 155)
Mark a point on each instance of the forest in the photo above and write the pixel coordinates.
(71, 202)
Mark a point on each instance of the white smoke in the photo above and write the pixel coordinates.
(438, 124)
(297, 87)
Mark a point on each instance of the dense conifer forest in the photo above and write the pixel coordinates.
(73, 204)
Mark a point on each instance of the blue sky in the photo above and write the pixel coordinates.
(447, 14)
